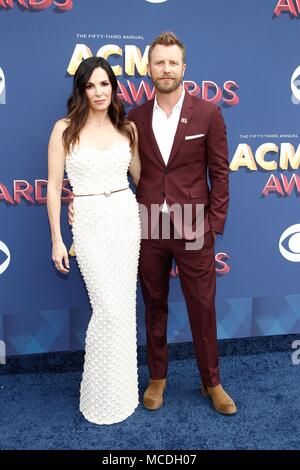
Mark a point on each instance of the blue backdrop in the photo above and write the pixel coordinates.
(240, 55)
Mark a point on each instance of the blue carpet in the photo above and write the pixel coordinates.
(40, 410)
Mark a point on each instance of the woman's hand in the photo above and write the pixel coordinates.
(60, 257)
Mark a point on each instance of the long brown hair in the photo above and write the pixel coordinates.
(78, 107)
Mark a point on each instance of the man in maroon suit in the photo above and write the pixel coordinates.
(182, 141)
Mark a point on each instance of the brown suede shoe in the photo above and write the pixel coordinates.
(220, 399)
(154, 394)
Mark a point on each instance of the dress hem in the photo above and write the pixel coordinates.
(106, 421)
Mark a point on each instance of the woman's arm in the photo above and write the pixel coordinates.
(56, 162)
(135, 164)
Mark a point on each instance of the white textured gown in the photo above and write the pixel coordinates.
(106, 236)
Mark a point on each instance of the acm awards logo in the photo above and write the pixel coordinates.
(2, 87)
(63, 5)
(222, 266)
(133, 63)
(287, 6)
(4, 257)
(271, 157)
(23, 190)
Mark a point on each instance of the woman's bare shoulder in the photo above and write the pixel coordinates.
(61, 125)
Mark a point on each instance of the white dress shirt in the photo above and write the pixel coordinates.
(164, 129)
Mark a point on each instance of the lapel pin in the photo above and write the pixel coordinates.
(183, 120)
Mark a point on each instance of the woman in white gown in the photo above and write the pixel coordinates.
(97, 146)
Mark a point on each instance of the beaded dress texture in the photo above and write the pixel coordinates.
(106, 237)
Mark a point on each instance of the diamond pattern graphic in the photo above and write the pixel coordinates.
(276, 315)
(234, 318)
(79, 320)
(61, 330)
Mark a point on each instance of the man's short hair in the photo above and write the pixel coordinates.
(167, 38)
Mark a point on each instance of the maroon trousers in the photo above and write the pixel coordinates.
(198, 281)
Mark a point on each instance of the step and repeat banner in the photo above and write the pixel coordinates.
(241, 55)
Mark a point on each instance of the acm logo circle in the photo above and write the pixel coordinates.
(156, 1)
(2, 87)
(4, 264)
(2, 80)
(292, 251)
(295, 86)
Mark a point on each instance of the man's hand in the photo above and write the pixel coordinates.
(71, 212)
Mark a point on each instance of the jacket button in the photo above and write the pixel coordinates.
(166, 172)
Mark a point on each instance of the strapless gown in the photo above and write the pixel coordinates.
(106, 237)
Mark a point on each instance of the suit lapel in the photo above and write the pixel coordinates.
(184, 120)
(150, 134)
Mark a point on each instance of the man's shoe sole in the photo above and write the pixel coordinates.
(153, 407)
(205, 394)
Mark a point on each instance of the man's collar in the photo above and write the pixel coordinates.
(178, 105)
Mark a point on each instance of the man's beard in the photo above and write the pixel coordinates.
(162, 87)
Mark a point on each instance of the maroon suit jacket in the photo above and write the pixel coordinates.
(197, 170)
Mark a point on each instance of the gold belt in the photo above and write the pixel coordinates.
(106, 193)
